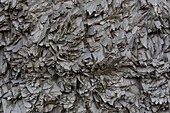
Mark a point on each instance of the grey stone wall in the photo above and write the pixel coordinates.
(84, 56)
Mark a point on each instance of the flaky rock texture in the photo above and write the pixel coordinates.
(84, 56)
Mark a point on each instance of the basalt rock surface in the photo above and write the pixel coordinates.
(84, 56)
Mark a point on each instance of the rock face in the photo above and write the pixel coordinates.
(84, 56)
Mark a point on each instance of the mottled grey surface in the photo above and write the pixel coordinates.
(84, 56)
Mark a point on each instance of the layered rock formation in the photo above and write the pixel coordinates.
(84, 56)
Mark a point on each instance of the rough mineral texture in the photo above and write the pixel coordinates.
(84, 56)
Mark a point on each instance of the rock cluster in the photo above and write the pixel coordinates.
(84, 56)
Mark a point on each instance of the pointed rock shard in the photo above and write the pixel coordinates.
(43, 32)
(27, 104)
